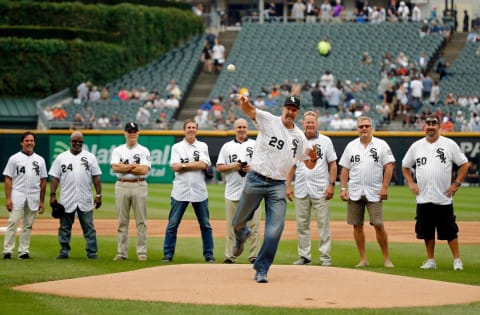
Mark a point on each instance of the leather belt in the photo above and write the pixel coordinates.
(267, 179)
(130, 180)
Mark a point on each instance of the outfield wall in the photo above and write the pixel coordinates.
(101, 143)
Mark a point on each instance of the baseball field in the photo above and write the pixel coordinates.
(107, 287)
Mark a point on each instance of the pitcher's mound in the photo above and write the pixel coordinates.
(289, 286)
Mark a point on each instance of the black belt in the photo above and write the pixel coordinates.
(267, 179)
(130, 180)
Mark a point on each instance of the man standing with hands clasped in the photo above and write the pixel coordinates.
(433, 158)
(233, 161)
(131, 162)
(279, 144)
(25, 183)
(367, 166)
(75, 170)
(313, 188)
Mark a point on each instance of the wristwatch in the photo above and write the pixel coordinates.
(458, 184)
(332, 183)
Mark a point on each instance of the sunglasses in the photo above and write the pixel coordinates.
(77, 141)
(431, 122)
(364, 126)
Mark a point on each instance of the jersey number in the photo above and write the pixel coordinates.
(274, 142)
(355, 159)
(421, 161)
(20, 170)
(68, 167)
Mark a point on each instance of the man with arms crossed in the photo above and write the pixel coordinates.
(25, 183)
(433, 158)
(313, 188)
(367, 165)
(75, 170)
(131, 162)
(233, 160)
(279, 144)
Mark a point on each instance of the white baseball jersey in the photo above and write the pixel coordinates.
(138, 154)
(190, 185)
(433, 167)
(277, 148)
(75, 176)
(313, 182)
(26, 171)
(232, 152)
(366, 167)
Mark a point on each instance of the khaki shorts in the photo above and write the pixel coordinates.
(356, 211)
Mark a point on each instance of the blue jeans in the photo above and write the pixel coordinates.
(274, 192)
(175, 217)
(89, 232)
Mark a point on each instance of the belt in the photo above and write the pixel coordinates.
(267, 179)
(130, 180)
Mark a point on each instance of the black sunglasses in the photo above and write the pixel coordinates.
(431, 122)
(77, 141)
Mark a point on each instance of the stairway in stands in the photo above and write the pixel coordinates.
(203, 84)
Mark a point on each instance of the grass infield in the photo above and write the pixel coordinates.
(399, 207)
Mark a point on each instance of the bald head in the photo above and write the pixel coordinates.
(240, 127)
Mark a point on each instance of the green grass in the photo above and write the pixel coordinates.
(407, 257)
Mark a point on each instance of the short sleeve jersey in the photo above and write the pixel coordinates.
(232, 152)
(313, 182)
(365, 166)
(75, 175)
(276, 148)
(138, 154)
(433, 167)
(190, 186)
(26, 172)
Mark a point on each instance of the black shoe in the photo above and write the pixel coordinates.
(93, 256)
(24, 256)
(210, 259)
(166, 259)
(252, 260)
(228, 261)
(7, 256)
(62, 256)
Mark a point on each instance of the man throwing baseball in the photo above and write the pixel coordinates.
(279, 144)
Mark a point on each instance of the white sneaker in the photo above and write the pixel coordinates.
(429, 264)
(457, 264)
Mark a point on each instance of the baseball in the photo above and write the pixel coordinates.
(231, 68)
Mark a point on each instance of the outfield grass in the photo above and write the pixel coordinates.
(407, 257)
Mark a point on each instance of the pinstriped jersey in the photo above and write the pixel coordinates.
(75, 176)
(313, 182)
(190, 185)
(138, 154)
(366, 167)
(433, 167)
(231, 152)
(276, 148)
(26, 171)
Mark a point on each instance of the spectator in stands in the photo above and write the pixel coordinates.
(434, 27)
(171, 102)
(143, 117)
(206, 57)
(424, 29)
(88, 116)
(78, 122)
(134, 93)
(218, 54)
(324, 47)
(366, 59)
(123, 94)
(462, 101)
(82, 92)
(201, 119)
(416, 13)
(275, 92)
(144, 94)
(327, 79)
(115, 121)
(94, 94)
(434, 94)
(270, 102)
(206, 108)
(296, 89)
(271, 13)
(161, 122)
(466, 21)
(158, 101)
(348, 123)
(459, 118)
(472, 173)
(306, 87)
(402, 59)
(473, 103)
(317, 96)
(409, 121)
(48, 113)
(198, 9)
(105, 94)
(326, 11)
(402, 97)
(218, 110)
(403, 12)
(390, 99)
(475, 122)
(334, 97)
(311, 11)
(210, 38)
(324, 120)
(450, 100)
(337, 11)
(427, 82)
(382, 86)
(416, 92)
(285, 88)
(359, 86)
(103, 122)
(298, 11)
(336, 123)
(173, 88)
(447, 125)
(433, 14)
(259, 102)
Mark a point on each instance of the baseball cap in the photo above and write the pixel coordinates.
(131, 126)
(292, 101)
